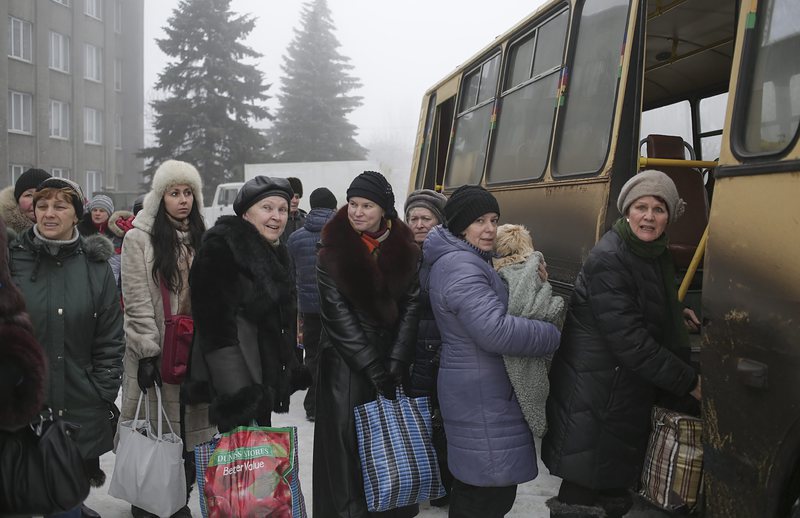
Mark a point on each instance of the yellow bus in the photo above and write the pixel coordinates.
(559, 111)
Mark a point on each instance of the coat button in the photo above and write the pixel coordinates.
(60, 311)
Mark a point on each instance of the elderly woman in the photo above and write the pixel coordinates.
(16, 201)
(490, 447)
(74, 307)
(243, 303)
(367, 279)
(156, 258)
(622, 340)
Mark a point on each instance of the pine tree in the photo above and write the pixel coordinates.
(311, 123)
(213, 97)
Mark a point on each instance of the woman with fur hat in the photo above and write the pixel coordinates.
(16, 201)
(624, 341)
(490, 447)
(244, 306)
(74, 307)
(367, 280)
(159, 251)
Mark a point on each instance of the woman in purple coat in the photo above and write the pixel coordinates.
(490, 447)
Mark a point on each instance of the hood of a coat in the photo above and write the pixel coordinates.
(114, 220)
(9, 211)
(317, 218)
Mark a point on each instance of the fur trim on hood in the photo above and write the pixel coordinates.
(98, 248)
(171, 172)
(373, 286)
(513, 245)
(9, 211)
(114, 219)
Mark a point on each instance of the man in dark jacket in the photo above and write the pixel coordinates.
(297, 216)
(303, 249)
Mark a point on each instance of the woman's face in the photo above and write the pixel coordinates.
(482, 232)
(269, 216)
(421, 221)
(55, 217)
(364, 215)
(99, 216)
(648, 217)
(26, 204)
(178, 201)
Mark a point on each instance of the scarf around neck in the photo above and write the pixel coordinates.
(675, 336)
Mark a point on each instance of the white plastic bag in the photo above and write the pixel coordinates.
(148, 471)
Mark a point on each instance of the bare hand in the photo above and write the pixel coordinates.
(697, 393)
(691, 321)
(543, 271)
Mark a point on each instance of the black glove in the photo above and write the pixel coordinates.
(383, 382)
(148, 373)
(398, 370)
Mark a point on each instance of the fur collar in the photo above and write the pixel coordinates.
(374, 287)
(97, 247)
(9, 211)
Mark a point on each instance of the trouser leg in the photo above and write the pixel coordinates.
(312, 327)
(468, 501)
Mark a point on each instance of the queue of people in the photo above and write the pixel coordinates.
(383, 304)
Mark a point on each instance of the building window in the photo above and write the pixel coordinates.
(20, 39)
(15, 171)
(118, 132)
(92, 126)
(118, 75)
(94, 63)
(59, 52)
(62, 2)
(20, 112)
(94, 8)
(94, 182)
(118, 16)
(59, 119)
(60, 172)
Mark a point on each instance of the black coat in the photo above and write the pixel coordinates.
(368, 309)
(244, 310)
(426, 355)
(605, 375)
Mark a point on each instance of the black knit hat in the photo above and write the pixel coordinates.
(30, 179)
(465, 205)
(259, 188)
(322, 198)
(297, 186)
(63, 183)
(373, 186)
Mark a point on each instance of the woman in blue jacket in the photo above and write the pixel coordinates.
(490, 447)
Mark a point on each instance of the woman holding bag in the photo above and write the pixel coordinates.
(156, 258)
(367, 280)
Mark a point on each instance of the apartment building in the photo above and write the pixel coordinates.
(73, 73)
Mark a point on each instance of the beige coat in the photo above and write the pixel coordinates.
(144, 328)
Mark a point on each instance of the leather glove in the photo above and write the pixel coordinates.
(398, 370)
(383, 382)
(148, 373)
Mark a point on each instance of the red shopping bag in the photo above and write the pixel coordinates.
(253, 471)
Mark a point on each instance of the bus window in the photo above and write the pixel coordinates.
(426, 144)
(585, 130)
(521, 139)
(473, 123)
(712, 119)
(673, 119)
(771, 108)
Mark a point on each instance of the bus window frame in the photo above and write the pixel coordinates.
(427, 140)
(744, 83)
(533, 27)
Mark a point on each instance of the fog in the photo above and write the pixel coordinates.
(398, 50)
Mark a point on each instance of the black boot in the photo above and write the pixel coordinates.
(559, 509)
(183, 512)
(138, 512)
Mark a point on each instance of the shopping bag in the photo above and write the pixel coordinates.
(250, 471)
(672, 476)
(148, 471)
(398, 462)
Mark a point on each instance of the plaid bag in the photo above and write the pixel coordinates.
(398, 462)
(250, 471)
(672, 477)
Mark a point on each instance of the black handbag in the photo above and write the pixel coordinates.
(41, 468)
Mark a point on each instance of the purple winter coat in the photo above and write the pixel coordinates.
(489, 443)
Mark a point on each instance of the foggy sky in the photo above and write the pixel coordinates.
(398, 49)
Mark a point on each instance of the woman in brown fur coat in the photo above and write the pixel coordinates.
(367, 280)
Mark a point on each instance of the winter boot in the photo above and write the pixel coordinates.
(616, 506)
(559, 509)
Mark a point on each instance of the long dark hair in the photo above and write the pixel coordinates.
(166, 244)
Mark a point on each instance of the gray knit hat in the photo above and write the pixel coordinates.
(651, 183)
(101, 201)
(427, 199)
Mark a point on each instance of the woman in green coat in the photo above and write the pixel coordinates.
(74, 306)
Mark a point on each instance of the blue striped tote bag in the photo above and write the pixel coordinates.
(398, 462)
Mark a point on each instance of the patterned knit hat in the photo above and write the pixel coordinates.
(427, 199)
(101, 201)
(76, 193)
(466, 204)
(373, 186)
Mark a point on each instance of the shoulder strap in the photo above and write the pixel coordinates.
(164, 298)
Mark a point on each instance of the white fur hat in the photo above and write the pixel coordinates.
(173, 172)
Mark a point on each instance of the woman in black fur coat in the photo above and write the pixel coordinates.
(368, 288)
(244, 309)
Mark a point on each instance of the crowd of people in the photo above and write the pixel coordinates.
(351, 301)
